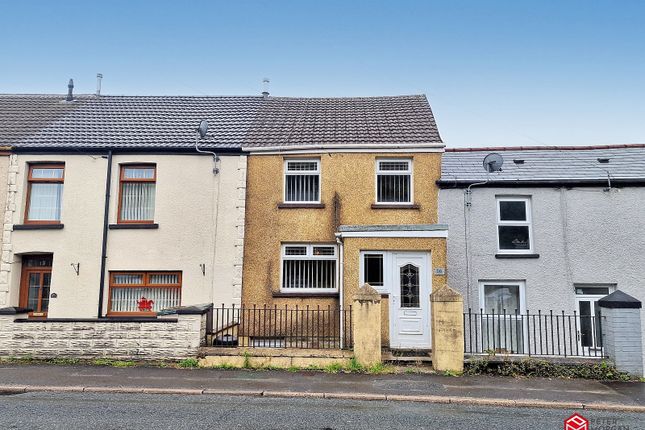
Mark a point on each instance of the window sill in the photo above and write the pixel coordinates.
(36, 226)
(133, 226)
(304, 295)
(301, 206)
(517, 255)
(390, 206)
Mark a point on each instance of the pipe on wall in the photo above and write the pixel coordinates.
(106, 216)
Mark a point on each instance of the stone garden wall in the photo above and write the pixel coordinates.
(172, 336)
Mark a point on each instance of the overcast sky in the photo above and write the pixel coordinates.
(496, 73)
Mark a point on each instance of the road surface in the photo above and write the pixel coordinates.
(48, 410)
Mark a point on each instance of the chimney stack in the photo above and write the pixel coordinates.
(265, 86)
(70, 91)
(99, 76)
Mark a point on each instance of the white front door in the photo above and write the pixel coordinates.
(589, 321)
(410, 300)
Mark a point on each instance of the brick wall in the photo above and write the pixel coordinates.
(167, 337)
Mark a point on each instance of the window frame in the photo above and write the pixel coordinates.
(123, 180)
(514, 283)
(146, 284)
(309, 255)
(297, 173)
(378, 172)
(31, 180)
(387, 270)
(528, 223)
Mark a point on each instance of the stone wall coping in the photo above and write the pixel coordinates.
(200, 309)
(99, 320)
(620, 300)
(445, 294)
(367, 293)
(14, 310)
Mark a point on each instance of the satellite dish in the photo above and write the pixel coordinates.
(493, 162)
(203, 128)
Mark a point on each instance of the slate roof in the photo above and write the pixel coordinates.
(170, 122)
(286, 121)
(124, 122)
(568, 164)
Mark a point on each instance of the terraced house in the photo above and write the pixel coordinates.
(116, 206)
(341, 192)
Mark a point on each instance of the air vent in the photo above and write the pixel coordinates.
(603, 160)
(518, 161)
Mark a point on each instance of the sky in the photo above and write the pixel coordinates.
(496, 73)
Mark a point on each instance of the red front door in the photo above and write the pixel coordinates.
(35, 283)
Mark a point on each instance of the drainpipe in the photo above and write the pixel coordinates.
(467, 205)
(341, 272)
(106, 214)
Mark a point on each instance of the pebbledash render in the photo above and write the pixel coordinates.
(558, 228)
(110, 209)
(341, 192)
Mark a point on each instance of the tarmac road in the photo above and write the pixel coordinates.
(52, 410)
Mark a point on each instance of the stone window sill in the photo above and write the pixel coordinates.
(133, 226)
(387, 206)
(517, 256)
(304, 295)
(38, 226)
(301, 206)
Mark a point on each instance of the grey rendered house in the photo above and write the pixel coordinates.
(556, 229)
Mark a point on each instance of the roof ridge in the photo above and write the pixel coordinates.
(547, 148)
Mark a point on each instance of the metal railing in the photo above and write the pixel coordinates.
(537, 334)
(282, 327)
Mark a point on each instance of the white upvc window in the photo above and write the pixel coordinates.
(302, 181)
(514, 226)
(501, 297)
(309, 268)
(394, 181)
(374, 269)
(502, 324)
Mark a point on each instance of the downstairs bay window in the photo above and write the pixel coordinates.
(143, 293)
(308, 268)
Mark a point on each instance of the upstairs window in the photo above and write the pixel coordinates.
(137, 194)
(302, 181)
(308, 268)
(44, 193)
(394, 181)
(514, 234)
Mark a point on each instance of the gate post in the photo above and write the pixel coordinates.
(447, 330)
(366, 323)
(622, 332)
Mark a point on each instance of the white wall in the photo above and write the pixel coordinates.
(198, 215)
(583, 235)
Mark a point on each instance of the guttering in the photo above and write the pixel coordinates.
(357, 147)
(106, 214)
(625, 182)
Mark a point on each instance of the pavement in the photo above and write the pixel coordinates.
(425, 388)
(53, 411)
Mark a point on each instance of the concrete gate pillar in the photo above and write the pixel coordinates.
(621, 331)
(447, 316)
(366, 322)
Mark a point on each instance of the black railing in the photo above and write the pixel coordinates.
(537, 334)
(282, 327)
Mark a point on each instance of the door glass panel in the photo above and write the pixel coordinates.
(409, 286)
(34, 291)
(47, 276)
(586, 327)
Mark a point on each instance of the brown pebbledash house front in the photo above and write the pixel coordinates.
(342, 192)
